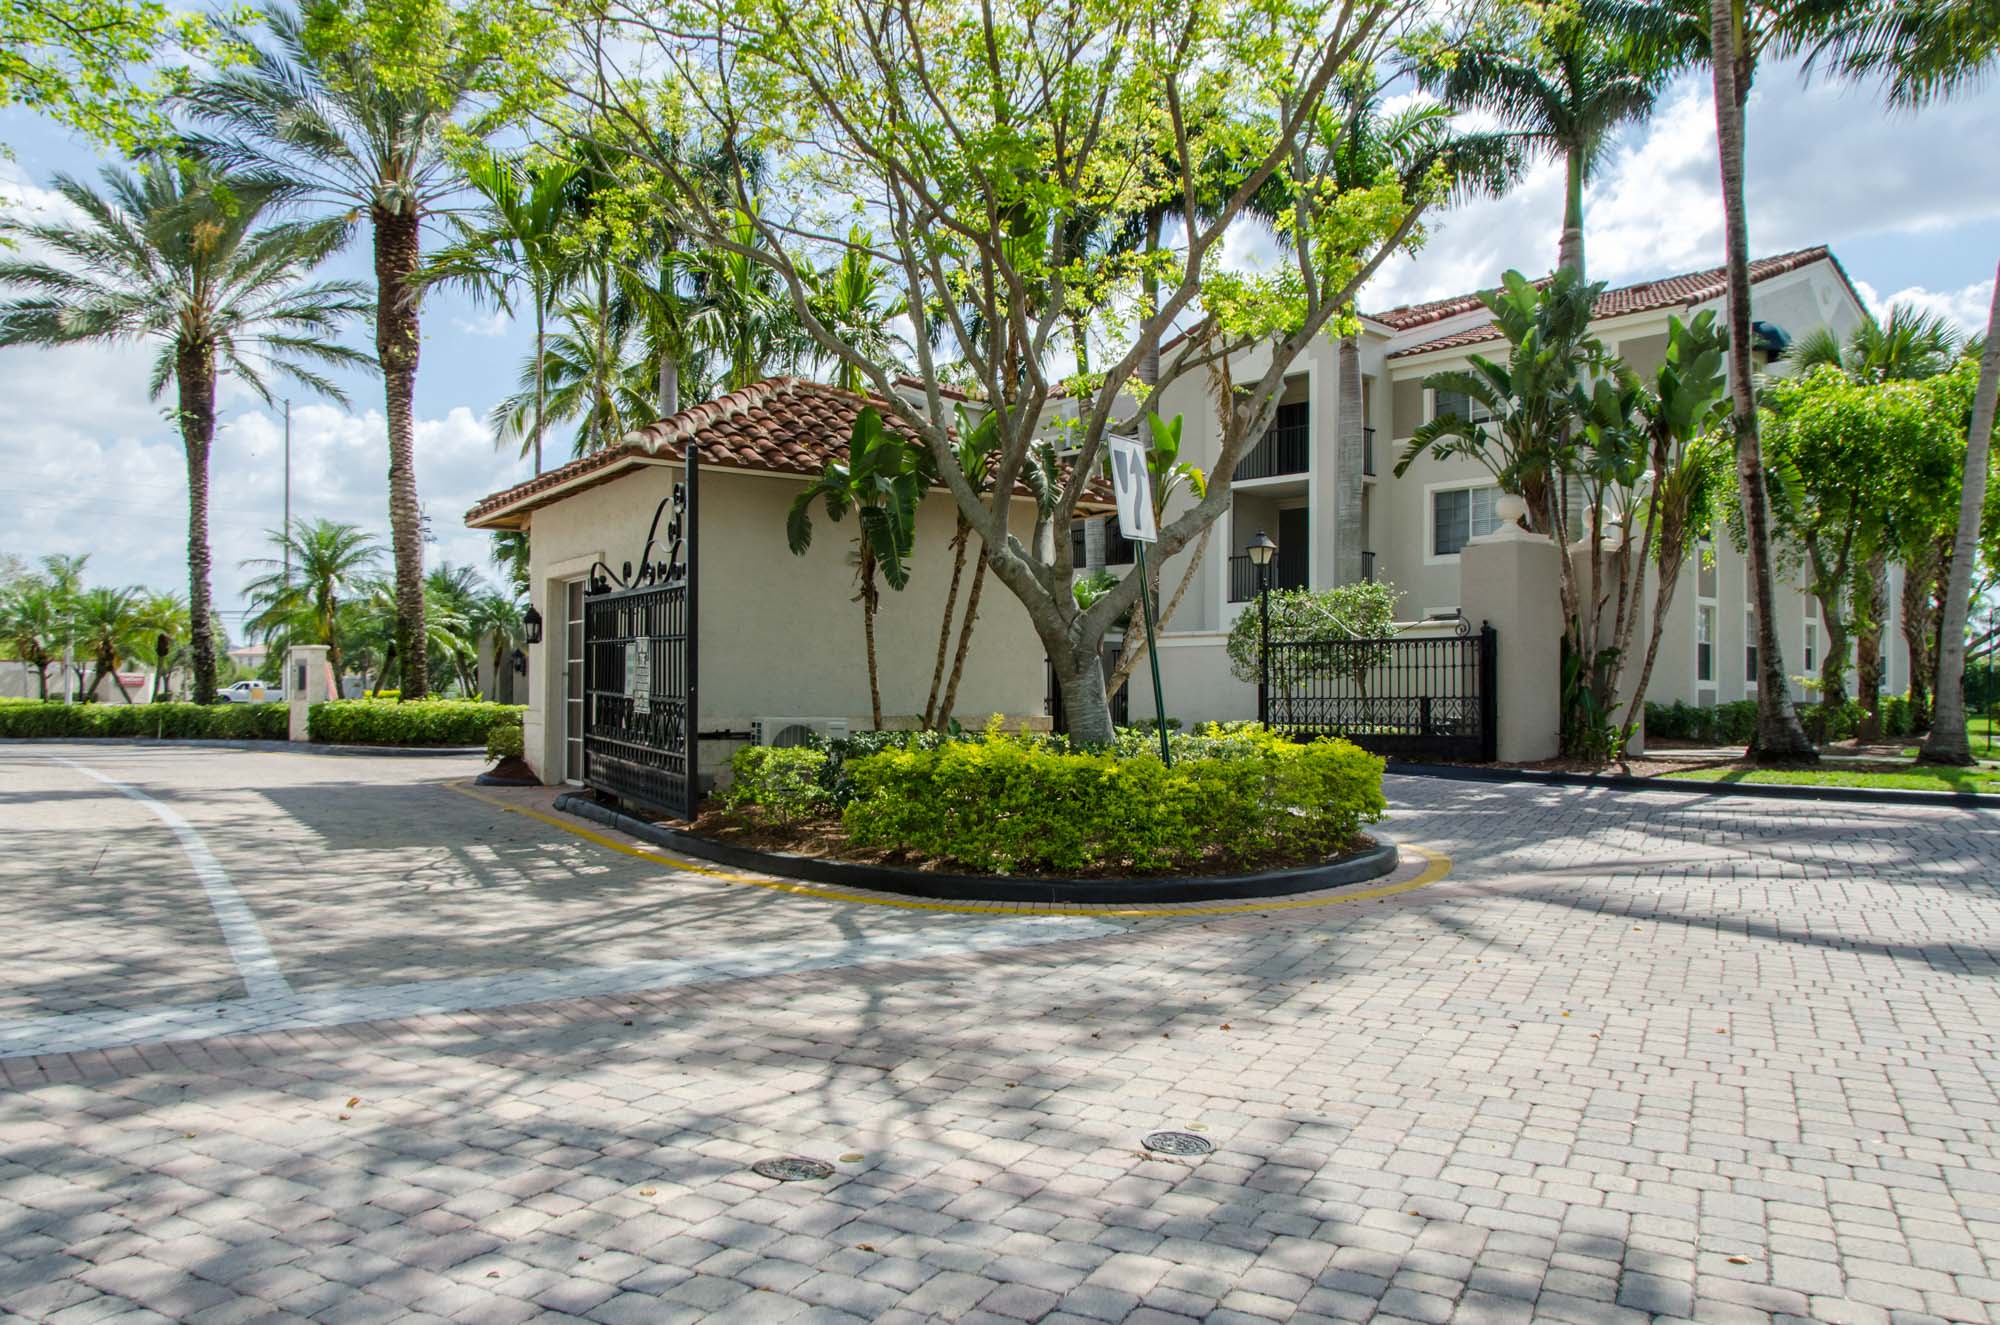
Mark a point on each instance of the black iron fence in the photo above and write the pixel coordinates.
(1410, 697)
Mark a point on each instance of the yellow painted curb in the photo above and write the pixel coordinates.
(1436, 867)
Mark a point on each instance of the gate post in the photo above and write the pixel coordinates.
(1511, 580)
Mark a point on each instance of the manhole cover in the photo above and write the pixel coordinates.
(1177, 1143)
(791, 1169)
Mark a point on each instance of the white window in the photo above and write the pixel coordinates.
(1455, 402)
(1749, 649)
(1812, 647)
(1704, 642)
(573, 681)
(1461, 514)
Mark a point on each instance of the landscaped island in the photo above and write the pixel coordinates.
(1234, 800)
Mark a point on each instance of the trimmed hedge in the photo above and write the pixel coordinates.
(1736, 722)
(419, 722)
(785, 782)
(1006, 804)
(505, 740)
(173, 722)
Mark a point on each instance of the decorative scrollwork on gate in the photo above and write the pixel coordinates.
(670, 570)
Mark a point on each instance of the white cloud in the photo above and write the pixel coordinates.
(1968, 307)
(496, 323)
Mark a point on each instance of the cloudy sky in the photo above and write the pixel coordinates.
(1910, 203)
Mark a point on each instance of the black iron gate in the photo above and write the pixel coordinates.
(1412, 697)
(639, 716)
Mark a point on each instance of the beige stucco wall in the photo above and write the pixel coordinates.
(780, 634)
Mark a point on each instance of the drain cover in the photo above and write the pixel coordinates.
(1177, 1143)
(791, 1169)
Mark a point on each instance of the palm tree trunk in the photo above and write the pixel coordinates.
(958, 541)
(1947, 742)
(397, 254)
(1149, 362)
(194, 372)
(541, 383)
(119, 681)
(1871, 598)
(964, 642)
(1779, 737)
(42, 679)
(1569, 250)
(869, 600)
(1347, 470)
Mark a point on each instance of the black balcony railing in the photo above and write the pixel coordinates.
(1285, 449)
(1368, 451)
(1368, 567)
(1286, 573)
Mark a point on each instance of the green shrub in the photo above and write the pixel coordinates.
(1006, 804)
(783, 781)
(1723, 724)
(1896, 716)
(505, 740)
(419, 722)
(1839, 723)
(1365, 609)
(173, 722)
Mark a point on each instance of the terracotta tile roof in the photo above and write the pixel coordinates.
(781, 425)
(1680, 291)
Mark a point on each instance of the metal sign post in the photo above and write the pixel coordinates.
(1132, 487)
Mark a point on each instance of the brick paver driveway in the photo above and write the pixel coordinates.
(298, 1036)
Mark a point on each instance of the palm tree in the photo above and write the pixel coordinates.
(454, 594)
(515, 237)
(1561, 88)
(882, 481)
(741, 315)
(589, 373)
(107, 630)
(322, 115)
(162, 618)
(301, 592)
(1908, 344)
(31, 625)
(495, 616)
(176, 256)
(854, 300)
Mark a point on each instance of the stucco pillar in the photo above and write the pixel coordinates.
(1509, 579)
(308, 681)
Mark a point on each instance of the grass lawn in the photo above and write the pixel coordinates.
(1928, 777)
(1984, 734)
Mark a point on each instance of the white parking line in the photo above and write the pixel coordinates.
(240, 930)
(77, 1032)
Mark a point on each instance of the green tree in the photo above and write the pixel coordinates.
(1923, 51)
(299, 596)
(31, 626)
(162, 621)
(853, 298)
(973, 454)
(741, 313)
(589, 375)
(101, 67)
(1909, 343)
(514, 237)
(107, 630)
(1561, 78)
(988, 182)
(180, 256)
(357, 106)
(882, 481)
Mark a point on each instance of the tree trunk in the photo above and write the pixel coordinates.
(1148, 371)
(958, 541)
(1569, 251)
(119, 681)
(42, 679)
(1779, 737)
(541, 384)
(670, 386)
(870, 599)
(397, 254)
(1347, 468)
(1947, 742)
(194, 371)
(1080, 679)
(1871, 598)
(1916, 624)
(965, 625)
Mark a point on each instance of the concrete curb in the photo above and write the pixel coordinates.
(1962, 800)
(264, 747)
(1375, 863)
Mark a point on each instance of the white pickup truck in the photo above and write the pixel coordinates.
(250, 692)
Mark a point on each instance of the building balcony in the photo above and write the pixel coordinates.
(1285, 449)
(1286, 573)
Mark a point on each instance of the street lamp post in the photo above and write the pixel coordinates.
(1261, 550)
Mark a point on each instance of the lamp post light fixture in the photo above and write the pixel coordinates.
(1261, 551)
(531, 625)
